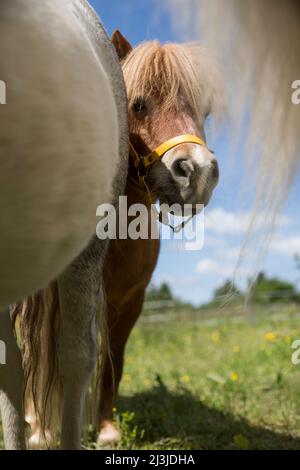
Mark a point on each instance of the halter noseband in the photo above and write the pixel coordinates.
(142, 163)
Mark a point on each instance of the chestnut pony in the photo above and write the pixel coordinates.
(160, 107)
(171, 89)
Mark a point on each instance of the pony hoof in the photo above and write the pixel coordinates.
(36, 442)
(109, 436)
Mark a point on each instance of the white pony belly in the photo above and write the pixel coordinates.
(58, 143)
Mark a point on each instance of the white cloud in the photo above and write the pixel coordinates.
(223, 263)
(209, 265)
(223, 248)
(286, 245)
(224, 222)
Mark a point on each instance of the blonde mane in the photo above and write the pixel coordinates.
(175, 74)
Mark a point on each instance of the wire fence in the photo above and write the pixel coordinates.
(226, 306)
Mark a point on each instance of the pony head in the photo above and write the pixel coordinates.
(171, 89)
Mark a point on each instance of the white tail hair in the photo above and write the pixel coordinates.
(258, 42)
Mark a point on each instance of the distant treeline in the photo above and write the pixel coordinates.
(264, 290)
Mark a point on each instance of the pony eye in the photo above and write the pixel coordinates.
(139, 106)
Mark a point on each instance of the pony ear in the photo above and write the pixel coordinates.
(122, 46)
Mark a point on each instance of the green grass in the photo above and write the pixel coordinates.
(196, 384)
(188, 385)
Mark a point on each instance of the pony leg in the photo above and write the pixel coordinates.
(11, 388)
(79, 294)
(119, 331)
(37, 439)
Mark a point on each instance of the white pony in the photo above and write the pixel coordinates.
(61, 131)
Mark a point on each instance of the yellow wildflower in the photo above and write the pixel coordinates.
(270, 336)
(234, 376)
(185, 379)
(236, 349)
(215, 336)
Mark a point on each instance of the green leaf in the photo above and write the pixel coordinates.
(241, 442)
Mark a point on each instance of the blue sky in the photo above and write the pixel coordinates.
(193, 275)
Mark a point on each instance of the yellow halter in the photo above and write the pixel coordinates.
(142, 163)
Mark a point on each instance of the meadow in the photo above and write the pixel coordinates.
(212, 383)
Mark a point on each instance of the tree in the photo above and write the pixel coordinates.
(273, 289)
(226, 289)
(157, 293)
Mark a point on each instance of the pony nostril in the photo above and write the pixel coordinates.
(215, 169)
(178, 168)
(182, 168)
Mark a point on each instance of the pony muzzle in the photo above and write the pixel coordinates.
(142, 163)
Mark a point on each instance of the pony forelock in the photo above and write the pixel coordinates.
(175, 74)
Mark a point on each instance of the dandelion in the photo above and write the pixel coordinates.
(270, 336)
(127, 378)
(146, 382)
(215, 336)
(234, 376)
(287, 339)
(236, 349)
(185, 379)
